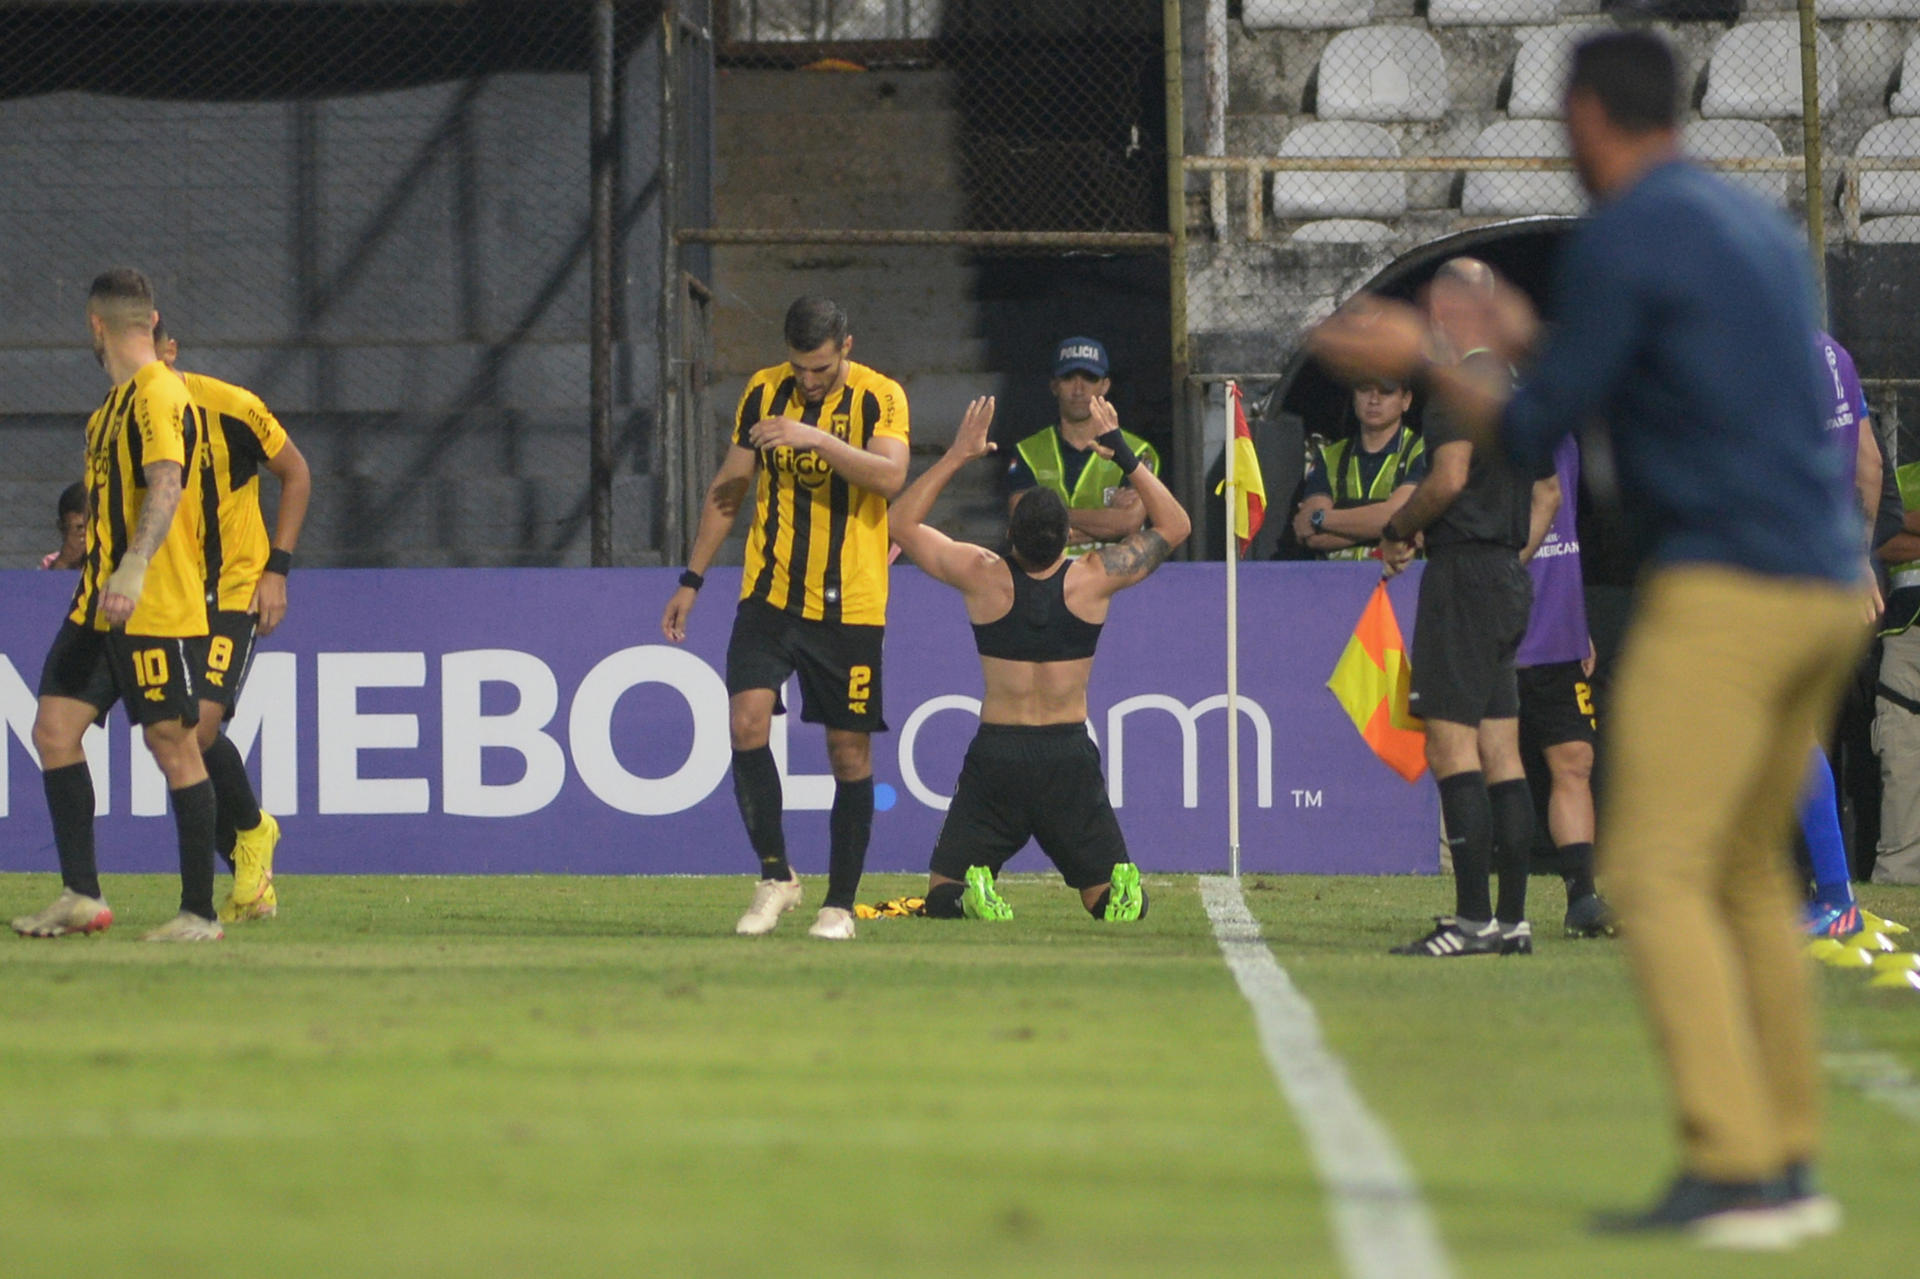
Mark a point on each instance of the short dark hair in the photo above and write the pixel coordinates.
(73, 501)
(1634, 76)
(1037, 529)
(813, 322)
(122, 296)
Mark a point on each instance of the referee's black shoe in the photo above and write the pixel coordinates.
(1451, 940)
(1590, 916)
(1516, 939)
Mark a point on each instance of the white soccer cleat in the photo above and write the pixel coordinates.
(71, 912)
(772, 898)
(187, 926)
(833, 924)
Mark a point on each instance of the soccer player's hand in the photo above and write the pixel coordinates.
(1371, 337)
(971, 441)
(778, 432)
(123, 589)
(673, 623)
(1107, 418)
(269, 602)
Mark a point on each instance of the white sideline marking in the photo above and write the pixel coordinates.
(1880, 1077)
(1379, 1219)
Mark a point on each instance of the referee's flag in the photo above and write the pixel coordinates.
(1371, 680)
(1249, 497)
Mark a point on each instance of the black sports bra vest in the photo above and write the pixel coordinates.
(1039, 627)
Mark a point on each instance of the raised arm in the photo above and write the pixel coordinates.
(1121, 565)
(290, 468)
(937, 555)
(717, 513)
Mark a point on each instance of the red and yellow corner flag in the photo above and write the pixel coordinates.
(1371, 681)
(1248, 500)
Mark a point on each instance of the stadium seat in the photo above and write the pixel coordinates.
(1826, 9)
(1343, 231)
(1906, 99)
(1514, 194)
(1720, 139)
(1383, 73)
(1267, 15)
(1540, 71)
(1321, 194)
(1489, 13)
(1754, 73)
(1901, 230)
(1887, 192)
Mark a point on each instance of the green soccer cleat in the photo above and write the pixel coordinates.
(1125, 901)
(979, 900)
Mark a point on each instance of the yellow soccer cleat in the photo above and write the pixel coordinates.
(265, 906)
(253, 867)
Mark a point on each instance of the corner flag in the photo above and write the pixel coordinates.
(1248, 500)
(1371, 681)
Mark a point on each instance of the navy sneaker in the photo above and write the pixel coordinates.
(1449, 940)
(1818, 1214)
(1746, 1216)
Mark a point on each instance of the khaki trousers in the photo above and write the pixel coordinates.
(1725, 678)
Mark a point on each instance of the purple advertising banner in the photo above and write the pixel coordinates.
(513, 721)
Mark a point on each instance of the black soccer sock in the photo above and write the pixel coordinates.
(1577, 870)
(1512, 808)
(756, 788)
(943, 901)
(849, 829)
(1469, 817)
(231, 785)
(70, 801)
(193, 808)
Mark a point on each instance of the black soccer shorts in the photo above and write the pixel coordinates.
(1473, 611)
(1556, 705)
(838, 665)
(1022, 782)
(152, 674)
(222, 658)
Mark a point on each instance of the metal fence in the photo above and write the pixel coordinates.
(380, 217)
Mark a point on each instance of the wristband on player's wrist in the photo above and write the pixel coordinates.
(1391, 534)
(1123, 454)
(279, 561)
(691, 580)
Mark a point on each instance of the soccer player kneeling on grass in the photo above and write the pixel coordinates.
(1032, 770)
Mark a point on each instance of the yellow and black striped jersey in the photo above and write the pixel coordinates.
(818, 546)
(146, 419)
(241, 434)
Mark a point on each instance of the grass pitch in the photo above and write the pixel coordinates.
(556, 1077)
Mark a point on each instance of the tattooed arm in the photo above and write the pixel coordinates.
(1129, 561)
(156, 517)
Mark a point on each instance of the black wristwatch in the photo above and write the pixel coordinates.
(1318, 519)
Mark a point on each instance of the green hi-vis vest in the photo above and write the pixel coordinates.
(1342, 468)
(1903, 580)
(1041, 452)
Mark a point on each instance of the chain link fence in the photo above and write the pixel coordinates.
(375, 215)
(1345, 138)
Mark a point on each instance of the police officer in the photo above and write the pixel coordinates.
(1354, 486)
(1100, 506)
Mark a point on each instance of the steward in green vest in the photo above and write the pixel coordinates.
(1100, 506)
(1903, 579)
(1355, 485)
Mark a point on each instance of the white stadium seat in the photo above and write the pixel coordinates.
(1343, 231)
(1906, 100)
(1320, 194)
(1721, 139)
(1489, 13)
(1754, 73)
(1383, 73)
(1867, 8)
(1263, 15)
(1901, 230)
(1540, 71)
(1493, 194)
(1882, 191)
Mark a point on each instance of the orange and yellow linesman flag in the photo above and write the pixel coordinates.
(1249, 497)
(1371, 681)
